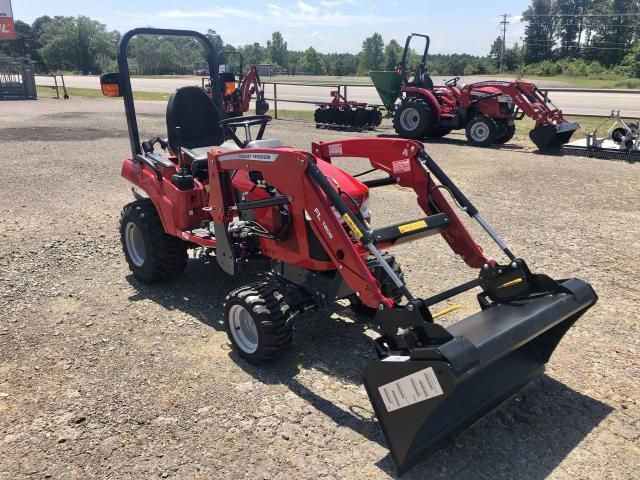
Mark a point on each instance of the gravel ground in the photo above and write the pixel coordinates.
(103, 377)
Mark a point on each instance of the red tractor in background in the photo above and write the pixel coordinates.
(486, 110)
(235, 94)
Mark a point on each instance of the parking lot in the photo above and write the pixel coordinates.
(103, 377)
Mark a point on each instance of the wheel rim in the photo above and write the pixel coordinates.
(479, 132)
(243, 329)
(409, 119)
(135, 244)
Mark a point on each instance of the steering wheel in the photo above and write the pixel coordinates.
(231, 123)
(452, 82)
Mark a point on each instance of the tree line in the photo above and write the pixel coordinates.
(557, 40)
(579, 37)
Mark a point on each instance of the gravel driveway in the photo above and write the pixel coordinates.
(102, 377)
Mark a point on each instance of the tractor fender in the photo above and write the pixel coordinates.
(177, 209)
(425, 95)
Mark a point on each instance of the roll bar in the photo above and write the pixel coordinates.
(125, 77)
(406, 52)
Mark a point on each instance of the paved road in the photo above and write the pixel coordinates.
(582, 103)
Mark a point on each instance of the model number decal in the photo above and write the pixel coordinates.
(324, 225)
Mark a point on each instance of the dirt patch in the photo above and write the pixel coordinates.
(58, 134)
(102, 377)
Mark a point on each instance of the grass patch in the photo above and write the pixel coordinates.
(95, 93)
(587, 124)
(606, 82)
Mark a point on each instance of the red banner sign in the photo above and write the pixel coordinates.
(7, 29)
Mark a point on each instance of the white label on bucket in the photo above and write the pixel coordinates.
(411, 389)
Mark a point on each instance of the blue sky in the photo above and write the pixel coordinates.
(328, 25)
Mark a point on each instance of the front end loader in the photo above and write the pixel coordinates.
(303, 226)
(485, 110)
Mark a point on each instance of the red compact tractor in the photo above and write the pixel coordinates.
(235, 94)
(302, 226)
(485, 110)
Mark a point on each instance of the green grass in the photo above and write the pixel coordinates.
(583, 82)
(587, 124)
(95, 93)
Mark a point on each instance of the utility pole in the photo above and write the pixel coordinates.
(504, 37)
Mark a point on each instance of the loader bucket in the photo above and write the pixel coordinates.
(388, 85)
(422, 400)
(552, 137)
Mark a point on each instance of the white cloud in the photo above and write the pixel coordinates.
(301, 15)
(313, 35)
(217, 13)
(336, 3)
(306, 8)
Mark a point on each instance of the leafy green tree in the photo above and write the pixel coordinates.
(25, 42)
(372, 54)
(392, 55)
(70, 43)
(631, 61)
(215, 39)
(312, 63)
(540, 30)
(253, 54)
(277, 49)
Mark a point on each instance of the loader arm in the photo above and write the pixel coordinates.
(400, 160)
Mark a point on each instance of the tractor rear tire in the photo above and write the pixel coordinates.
(481, 131)
(258, 322)
(413, 118)
(506, 133)
(389, 289)
(153, 255)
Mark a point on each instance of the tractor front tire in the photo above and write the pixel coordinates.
(481, 131)
(413, 118)
(389, 289)
(505, 133)
(258, 322)
(153, 255)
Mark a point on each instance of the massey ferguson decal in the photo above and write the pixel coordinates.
(7, 29)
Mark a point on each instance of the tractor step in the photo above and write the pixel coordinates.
(200, 236)
(412, 230)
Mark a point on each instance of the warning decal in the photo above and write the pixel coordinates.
(401, 166)
(335, 149)
(411, 389)
(410, 227)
